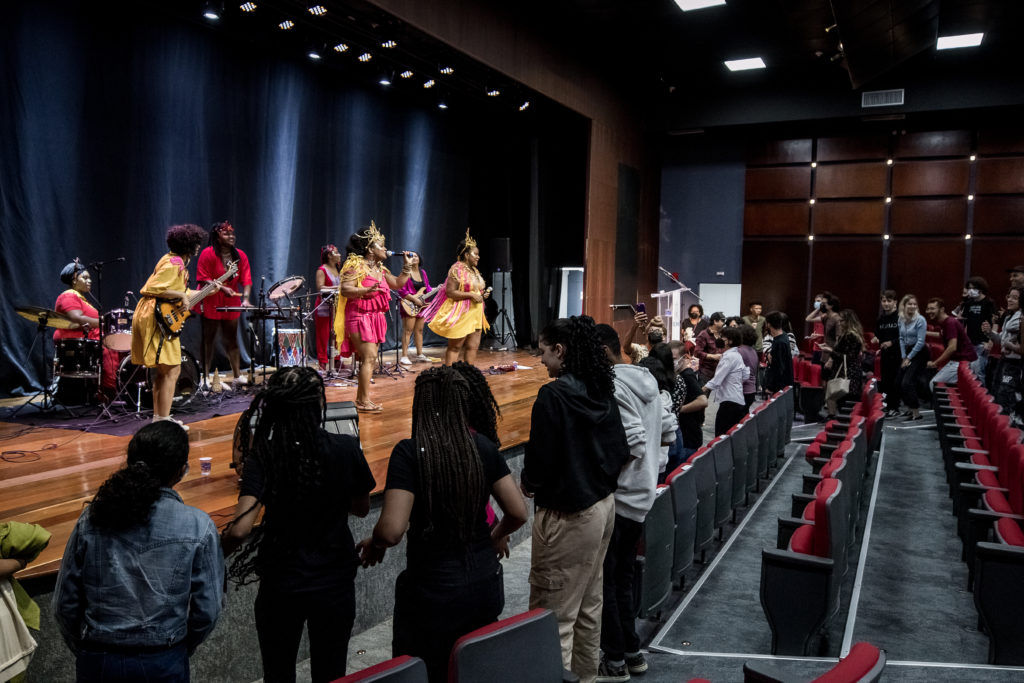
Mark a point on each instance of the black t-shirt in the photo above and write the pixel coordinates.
(441, 544)
(887, 329)
(779, 373)
(975, 313)
(690, 424)
(315, 549)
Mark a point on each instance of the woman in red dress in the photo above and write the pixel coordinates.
(73, 304)
(328, 276)
(359, 320)
(213, 262)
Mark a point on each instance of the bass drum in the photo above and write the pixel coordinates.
(135, 382)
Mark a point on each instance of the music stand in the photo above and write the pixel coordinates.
(502, 318)
(396, 370)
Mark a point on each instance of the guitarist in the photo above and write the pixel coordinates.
(151, 347)
(213, 263)
(416, 288)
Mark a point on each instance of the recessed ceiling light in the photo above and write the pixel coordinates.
(688, 5)
(314, 54)
(212, 10)
(341, 47)
(745, 64)
(406, 74)
(447, 71)
(286, 25)
(429, 83)
(247, 7)
(317, 10)
(442, 105)
(365, 57)
(493, 92)
(524, 106)
(389, 44)
(965, 40)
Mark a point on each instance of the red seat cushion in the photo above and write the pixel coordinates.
(809, 511)
(1009, 531)
(996, 502)
(988, 478)
(802, 540)
(853, 667)
(980, 459)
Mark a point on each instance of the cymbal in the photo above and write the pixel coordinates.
(50, 317)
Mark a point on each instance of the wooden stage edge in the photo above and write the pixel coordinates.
(52, 490)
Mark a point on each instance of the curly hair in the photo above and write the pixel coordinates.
(448, 459)
(585, 358)
(156, 455)
(483, 411)
(215, 236)
(183, 240)
(280, 430)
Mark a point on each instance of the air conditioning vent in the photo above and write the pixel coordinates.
(881, 98)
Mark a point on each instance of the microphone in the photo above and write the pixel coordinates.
(400, 252)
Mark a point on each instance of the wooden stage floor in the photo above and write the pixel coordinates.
(51, 486)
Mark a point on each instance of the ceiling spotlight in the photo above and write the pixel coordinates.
(814, 164)
(810, 238)
(524, 106)
(389, 44)
(365, 57)
(493, 92)
(965, 40)
(974, 157)
(341, 47)
(690, 5)
(286, 25)
(313, 54)
(812, 202)
(429, 83)
(885, 236)
(385, 78)
(442, 105)
(745, 64)
(967, 236)
(888, 200)
(213, 10)
(317, 10)
(406, 74)
(247, 7)
(447, 71)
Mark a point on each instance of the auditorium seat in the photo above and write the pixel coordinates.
(404, 669)
(524, 647)
(801, 577)
(703, 463)
(721, 452)
(999, 575)
(739, 449)
(812, 393)
(682, 482)
(767, 446)
(654, 561)
(750, 437)
(864, 664)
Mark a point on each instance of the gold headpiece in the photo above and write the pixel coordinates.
(373, 234)
(469, 241)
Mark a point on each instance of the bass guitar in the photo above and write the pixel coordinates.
(412, 309)
(172, 314)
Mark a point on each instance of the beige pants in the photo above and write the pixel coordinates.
(567, 576)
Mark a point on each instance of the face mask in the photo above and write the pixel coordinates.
(817, 305)
(973, 293)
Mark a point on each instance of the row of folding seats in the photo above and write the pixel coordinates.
(703, 494)
(984, 460)
(801, 577)
(865, 663)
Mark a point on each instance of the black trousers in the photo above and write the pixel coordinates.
(908, 378)
(328, 615)
(618, 614)
(729, 415)
(890, 369)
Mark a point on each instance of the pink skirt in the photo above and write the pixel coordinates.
(371, 326)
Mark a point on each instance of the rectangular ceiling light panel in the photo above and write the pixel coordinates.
(688, 5)
(744, 64)
(965, 40)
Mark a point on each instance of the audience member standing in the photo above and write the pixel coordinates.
(748, 335)
(1016, 276)
(887, 333)
(844, 359)
(648, 424)
(830, 325)
(709, 346)
(913, 354)
(728, 383)
(576, 451)
(689, 403)
(439, 482)
(141, 582)
(755, 320)
(1008, 377)
(779, 373)
(693, 324)
(956, 344)
(978, 310)
(309, 480)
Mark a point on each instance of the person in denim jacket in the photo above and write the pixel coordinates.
(141, 583)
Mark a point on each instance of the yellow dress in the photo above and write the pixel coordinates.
(458, 319)
(147, 336)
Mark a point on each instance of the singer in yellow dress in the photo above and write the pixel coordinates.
(457, 314)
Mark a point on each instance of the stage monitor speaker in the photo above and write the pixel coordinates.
(499, 254)
(342, 418)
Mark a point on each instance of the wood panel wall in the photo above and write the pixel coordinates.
(915, 211)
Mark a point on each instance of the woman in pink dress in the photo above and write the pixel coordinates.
(213, 262)
(328, 277)
(360, 321)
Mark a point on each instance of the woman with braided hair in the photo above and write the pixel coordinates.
(303, 552)
(457, 313)
(359, 320)
(576, 450)
(141, 581)
(483, 411)
(438, 484)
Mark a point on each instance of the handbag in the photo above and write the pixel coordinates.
(838, 387)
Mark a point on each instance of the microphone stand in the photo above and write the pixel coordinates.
(682, 287)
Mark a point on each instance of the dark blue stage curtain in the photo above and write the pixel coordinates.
(113, 128)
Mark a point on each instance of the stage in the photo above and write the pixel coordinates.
(52, 489)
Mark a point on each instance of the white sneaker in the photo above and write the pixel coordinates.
(405, 361)
(170, 419)
(239, 381)
(422, 359)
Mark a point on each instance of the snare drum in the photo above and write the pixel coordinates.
(289, 341)
(77, 358)
(116, 327)
(135, 382)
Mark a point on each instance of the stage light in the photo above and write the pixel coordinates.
(247, 7)
(286, 25)
(317, 10)
(447, 71)
(385, 78)
(429, 83)
(365, 57)
(213, 10)
(389, 44)
(441, 104)
(493, 92)
(964, 40)
(745, 64)
(406, 74)
(313, 54)
(341, 47)
(524, 106)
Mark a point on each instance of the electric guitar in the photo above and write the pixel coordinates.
(172, 313)
(412, 309)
